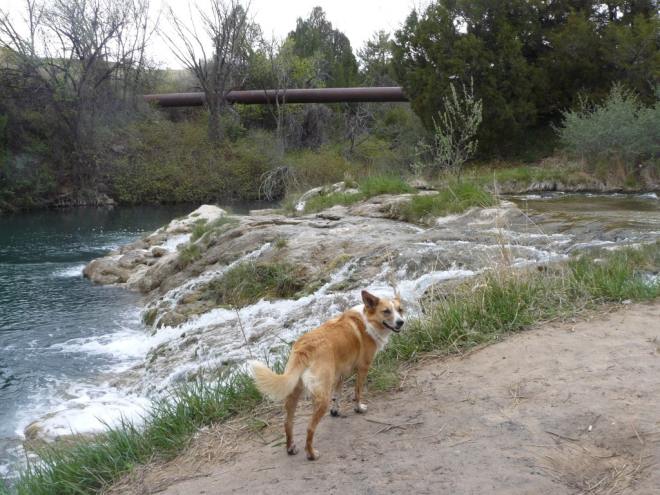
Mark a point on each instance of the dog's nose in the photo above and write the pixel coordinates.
(399, 323)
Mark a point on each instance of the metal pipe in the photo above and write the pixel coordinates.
(258, 96)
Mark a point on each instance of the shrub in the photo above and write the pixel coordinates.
(621, 127)
(454, 131)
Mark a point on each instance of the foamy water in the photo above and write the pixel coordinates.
(72, 271)
(62, 340)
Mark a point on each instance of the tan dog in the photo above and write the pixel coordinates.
(322, 358)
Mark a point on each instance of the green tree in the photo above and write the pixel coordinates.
(631, 50)
(529, 59)
(460, 41)
(315, 38)
(376, 61)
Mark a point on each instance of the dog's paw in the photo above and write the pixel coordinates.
(360, 408)
(334, 413)
(293, 450)
(313, 455)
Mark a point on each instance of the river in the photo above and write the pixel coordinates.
(62, 339)
(46, 306)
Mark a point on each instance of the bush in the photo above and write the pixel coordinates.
(621, 127)
(166, 161)
(454, 131)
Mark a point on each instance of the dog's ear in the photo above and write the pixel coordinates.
(397, 296)
(370, 301)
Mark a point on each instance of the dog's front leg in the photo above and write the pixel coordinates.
(359, 385)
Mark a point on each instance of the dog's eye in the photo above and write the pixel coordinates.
(400, 310)
(387, 312)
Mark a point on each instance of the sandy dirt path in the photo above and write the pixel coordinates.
(560, 409)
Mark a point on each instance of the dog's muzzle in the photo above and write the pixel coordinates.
(396, 328)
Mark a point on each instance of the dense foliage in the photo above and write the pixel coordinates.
(529, 60)
(73, 129)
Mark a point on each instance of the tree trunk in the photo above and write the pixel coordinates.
(215, 133)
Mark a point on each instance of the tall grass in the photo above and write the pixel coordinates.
(479, 312)
(508, 301)
(90, 464)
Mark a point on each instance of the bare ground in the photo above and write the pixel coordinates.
(569, 408)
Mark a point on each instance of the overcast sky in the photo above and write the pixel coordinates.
(358, 19)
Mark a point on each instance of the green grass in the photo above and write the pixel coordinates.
(90, 464)
(324, 201)
(188, 254)
(510, 301)
(368, 187)
(249, 282)
(479, 312)
(280, 243)
(202, 227)
(455, 198)
(383, 184)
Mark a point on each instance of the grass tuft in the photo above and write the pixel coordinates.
(202, 227)
(188, 254)
(456, 198)
(91, 464)
(368, 187)
(383, 184)
(323, 201)
(249, 282)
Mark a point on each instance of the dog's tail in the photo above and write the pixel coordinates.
(275, 386)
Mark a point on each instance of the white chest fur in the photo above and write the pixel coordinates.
(380, 339)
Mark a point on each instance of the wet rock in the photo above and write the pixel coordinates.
(131, 260)
(171, 319)
(158, 252)
(106, 271)
(144, 264)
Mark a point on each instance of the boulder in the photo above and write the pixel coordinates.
(106, 271)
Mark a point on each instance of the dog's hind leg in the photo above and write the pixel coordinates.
(334, 409)
(290, 406)
(320, 385)
(321, 402)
